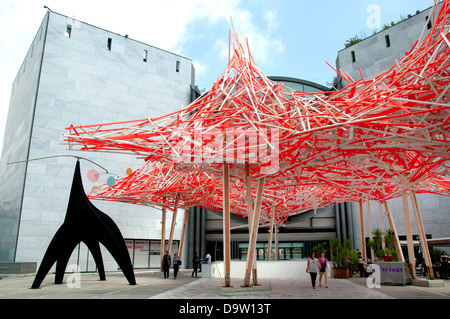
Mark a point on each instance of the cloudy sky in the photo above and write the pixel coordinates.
(287, 37)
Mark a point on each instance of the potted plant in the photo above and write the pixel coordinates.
(339, 255)
(389, 241)
(354, 259)
(386, 254)
(378, 238)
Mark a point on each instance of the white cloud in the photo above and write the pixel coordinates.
(221, 46)
(258, 28)
(271, 18)
(200, 69)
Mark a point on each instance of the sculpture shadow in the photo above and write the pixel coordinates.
(84, 223)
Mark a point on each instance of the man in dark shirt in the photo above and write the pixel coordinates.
(166, 264)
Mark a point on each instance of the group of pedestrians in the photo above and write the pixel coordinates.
(316, 266)
(167, 262)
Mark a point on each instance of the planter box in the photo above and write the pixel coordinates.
(394, 273)
(340, 272)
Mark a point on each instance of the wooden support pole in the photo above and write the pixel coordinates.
(250, 214)
(250, 211)
(409, 238)
(226, 223)
(369, 219)
(183, 231)
(276, 242)
(269, 248)
(380, 210)
(163, 231)
(363, 238)
(172, 227)
(398, 247)
(254, 232)
(422, 236)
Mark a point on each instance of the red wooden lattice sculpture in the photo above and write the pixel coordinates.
(372, 139)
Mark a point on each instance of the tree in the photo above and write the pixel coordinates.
(339, 253)
(388, 241)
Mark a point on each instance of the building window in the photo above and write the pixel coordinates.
(353, 57)
(178, 66)
(286, 251)
(145, 55)
(109, 44)
(429, 25)
(388, 41)
(68, 32)
(146, 253)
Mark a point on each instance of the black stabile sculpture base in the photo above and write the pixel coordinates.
(84, 223)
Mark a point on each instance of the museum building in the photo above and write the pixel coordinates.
(74, 73)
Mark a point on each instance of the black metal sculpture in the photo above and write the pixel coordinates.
(84, 223)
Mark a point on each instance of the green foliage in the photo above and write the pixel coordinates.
(389, 242)
(435, 255)
(352, 41)
(394, 255)
(377, 237)
(353, 256)
(372, 244)
(321, 248)
(377, 243)
(379, 253)
(341, 253)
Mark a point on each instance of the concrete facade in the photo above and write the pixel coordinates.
(76, 73)
(378, 52)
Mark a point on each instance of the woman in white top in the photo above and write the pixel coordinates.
(313, 267)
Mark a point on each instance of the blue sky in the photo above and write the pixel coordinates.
(287, 37)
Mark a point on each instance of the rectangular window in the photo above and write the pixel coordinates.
(353, 57)
(109, 44)
(178, 66)
(145, 55)
(68, 32)
(388, 41)
(429, 25)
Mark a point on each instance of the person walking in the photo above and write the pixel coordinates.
(176, 265)
(313, 267)
(166, 264)
(323, 269)
(195, 261)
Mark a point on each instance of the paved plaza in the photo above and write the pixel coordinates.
(188, 297)
(152, 285)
